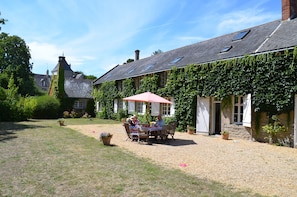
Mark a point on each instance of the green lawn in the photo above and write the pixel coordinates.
(40, 158)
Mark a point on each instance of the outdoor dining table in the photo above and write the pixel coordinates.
(153, 131)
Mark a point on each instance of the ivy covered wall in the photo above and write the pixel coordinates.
(271, 79)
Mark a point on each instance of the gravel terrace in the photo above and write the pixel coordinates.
(262, 168)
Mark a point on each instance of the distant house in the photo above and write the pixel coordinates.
(211, 118)
(43, 81)
(76, 87)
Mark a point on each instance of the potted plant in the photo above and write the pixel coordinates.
(61, 122)
(190, 129)
(225, 135)
(105, 138)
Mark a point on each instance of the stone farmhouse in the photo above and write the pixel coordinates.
(76, 87)
(211, 116)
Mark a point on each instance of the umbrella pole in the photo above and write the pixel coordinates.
(146, 112)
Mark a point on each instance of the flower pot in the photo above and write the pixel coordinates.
(191, 131)
(225, 136)
(106, 140)
(61, 123)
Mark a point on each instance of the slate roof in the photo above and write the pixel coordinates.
(267, 37)
(78, 88)
(284, 37)
(42, 81)
(68, 72)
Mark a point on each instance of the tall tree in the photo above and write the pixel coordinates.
(15, 60)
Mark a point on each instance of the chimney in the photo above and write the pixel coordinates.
(289, 9)
(61, 58)
(137, 55)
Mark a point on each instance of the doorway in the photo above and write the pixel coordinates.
(217, 118)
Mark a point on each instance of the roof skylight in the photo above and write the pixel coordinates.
(130, 71)
(225, 49)
(240, 35)
(149, 66)
(176, 60)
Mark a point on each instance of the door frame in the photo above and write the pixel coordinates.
(216, 103)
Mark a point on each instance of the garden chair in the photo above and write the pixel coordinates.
(171, 129)
(135, 135)
(165, 131)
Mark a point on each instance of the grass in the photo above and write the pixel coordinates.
(40, 158)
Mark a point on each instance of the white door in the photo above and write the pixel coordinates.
(202, 118)
(247, 110)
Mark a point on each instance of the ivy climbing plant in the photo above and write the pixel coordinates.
(270, 78)
(148, 84)
(107, 93)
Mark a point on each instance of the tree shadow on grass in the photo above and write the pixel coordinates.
(8, 130)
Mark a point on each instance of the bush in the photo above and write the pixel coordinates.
(29, 105)
(122, 114)
(47, 107)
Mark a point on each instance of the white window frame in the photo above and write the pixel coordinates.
(237, 117)
(165, 109)
(139, 107)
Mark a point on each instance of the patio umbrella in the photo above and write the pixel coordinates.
(147, 97)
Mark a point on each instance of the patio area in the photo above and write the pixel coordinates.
(262, 168)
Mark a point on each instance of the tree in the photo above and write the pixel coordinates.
(15, 60)
(2, 21)
(157, 52)
(128, 61)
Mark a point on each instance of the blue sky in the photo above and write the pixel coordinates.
(96, 35)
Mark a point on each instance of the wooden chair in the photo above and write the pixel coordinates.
(165, 131)
(135, 135)
(172, 127)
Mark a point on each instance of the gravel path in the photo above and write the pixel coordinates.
(262, 168)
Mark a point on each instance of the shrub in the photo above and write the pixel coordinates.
(122, 114)
(47, 107)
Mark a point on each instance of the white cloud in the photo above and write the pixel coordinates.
(242, 19)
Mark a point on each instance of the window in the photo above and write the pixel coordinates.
(149, 67)
(137, 82)
(79, 105)
(165, 109)
(163, 79)
(120, 104)
(130, 71)
(120, 86)
(238, 110)
(240, 35)
(139, 107)
(173, 62)
(225, 49)
(43, 83)
(107, 76)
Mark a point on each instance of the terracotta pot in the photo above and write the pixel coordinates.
(191, 132)
(106, 140)
(225, 136)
